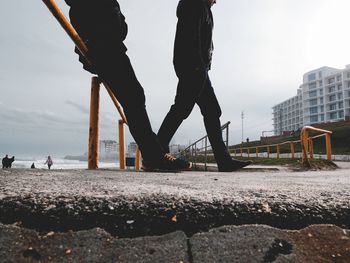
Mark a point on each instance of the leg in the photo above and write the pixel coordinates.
(188, 90)
(211, 112)
(117, 71)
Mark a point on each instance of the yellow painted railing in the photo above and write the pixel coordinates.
(307, 146)
(93, 159)
(307, 143)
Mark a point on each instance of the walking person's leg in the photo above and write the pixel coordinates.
(211, 112)
(188, 90)
(120, 75)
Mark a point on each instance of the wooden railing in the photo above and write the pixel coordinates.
(93, 159)
(306, 142)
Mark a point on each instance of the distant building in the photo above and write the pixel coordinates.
(109, 150)
(132, 149)
(324, 96)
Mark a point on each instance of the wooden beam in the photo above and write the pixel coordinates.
(93, 160)
(121, 145)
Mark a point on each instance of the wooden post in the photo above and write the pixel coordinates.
(93, 158)
(328, 147)
(248, 151)
(206, 155)
(121, 145)
(257, 152)
(305, 145)
(138, 159)
(292, 149)
(268, 151)
(278, 151)
(241, 152)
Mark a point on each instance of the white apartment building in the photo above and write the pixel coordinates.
(323, 97)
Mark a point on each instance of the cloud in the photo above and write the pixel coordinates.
(25, 120)
(77, 106)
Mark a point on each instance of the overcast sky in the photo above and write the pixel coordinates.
(262, 49)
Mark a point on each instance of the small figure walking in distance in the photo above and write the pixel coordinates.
(49, 162)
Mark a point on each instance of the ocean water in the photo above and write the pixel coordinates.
(58, 163)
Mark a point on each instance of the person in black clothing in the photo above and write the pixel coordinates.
(103, 28)
(7, 162)
(192, 61)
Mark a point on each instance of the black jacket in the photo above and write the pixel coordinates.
(193, 42)
(99, 22)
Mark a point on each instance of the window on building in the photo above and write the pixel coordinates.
(320, 74)
(339, 78)
(331, 89)
(322, 108)
(320, 83)
(321, 92)
(333, 106)
(341, 105)
(348, 84)
(313, 119)
(348, 75)
(340, 86)
(331, 80)
(341, 114)
(313, 93)
(313, 110)
(313, 102)
(340, 96)
(321, 100)
(322, 117)
(333, 115)
(332, 97)
(311, 77)
(312, 85)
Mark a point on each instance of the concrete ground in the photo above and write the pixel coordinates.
(257, 215)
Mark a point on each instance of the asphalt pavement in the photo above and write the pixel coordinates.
(133, 205)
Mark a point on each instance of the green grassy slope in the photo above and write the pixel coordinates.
(340, 140)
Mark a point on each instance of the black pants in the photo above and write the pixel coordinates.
(195, 88)
(107, 53)
(115, 69)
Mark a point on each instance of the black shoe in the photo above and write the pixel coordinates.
(167, 164)
(234, 165)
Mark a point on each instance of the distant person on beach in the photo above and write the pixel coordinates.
(192, 61)
(32, 166)
(103, 28)
(7, 162)
(49, 162)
